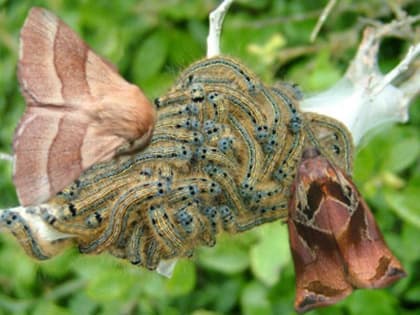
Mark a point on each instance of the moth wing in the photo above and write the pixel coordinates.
(338, 207)
(79, 109)
(44, 164)
(320, 275)
(370, 263)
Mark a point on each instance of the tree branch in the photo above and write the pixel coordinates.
(6, 157)
(216, 18)
(322, 18)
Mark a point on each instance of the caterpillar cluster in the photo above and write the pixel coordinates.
(222, 158)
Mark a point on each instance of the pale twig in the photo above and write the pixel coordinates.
(411, 86)
(215, 28)
(396, 9)
(397, 28)
(402, 68)
(6, 157)
(322, 18)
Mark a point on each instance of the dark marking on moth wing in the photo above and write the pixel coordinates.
(358, 225)
(382, 268)
(319, 288)
(395, 272)
(314, 197)
(309, 300)
(334, 189)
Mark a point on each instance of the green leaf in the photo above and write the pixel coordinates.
(150, 58)
(413, 294)
(184, 10)
(365, 163)
(204, 312)
(80, 304)
(110, 285)
(406, 206)
(271, 253)
(228, 293)
(187, 50)
(371, 302)
(49, 308)
(254, 300)
(183, 279)
(157, 85)
(403, 153)
(227, 257)
(59, 266)
(406, 245)
(254, 4)
(13, 261)
(323, 73)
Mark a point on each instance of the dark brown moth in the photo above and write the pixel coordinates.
(335, 242)
(75, 99)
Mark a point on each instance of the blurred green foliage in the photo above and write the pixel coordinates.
(150, 42)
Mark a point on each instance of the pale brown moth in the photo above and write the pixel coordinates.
(227, 153)
(79, 110)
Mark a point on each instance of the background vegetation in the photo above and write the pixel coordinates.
(150, 42)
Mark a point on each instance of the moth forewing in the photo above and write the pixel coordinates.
(320, 277)
(79, 110)
(369, 261)
(319, 269)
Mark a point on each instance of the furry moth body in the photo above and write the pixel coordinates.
(223, 157)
